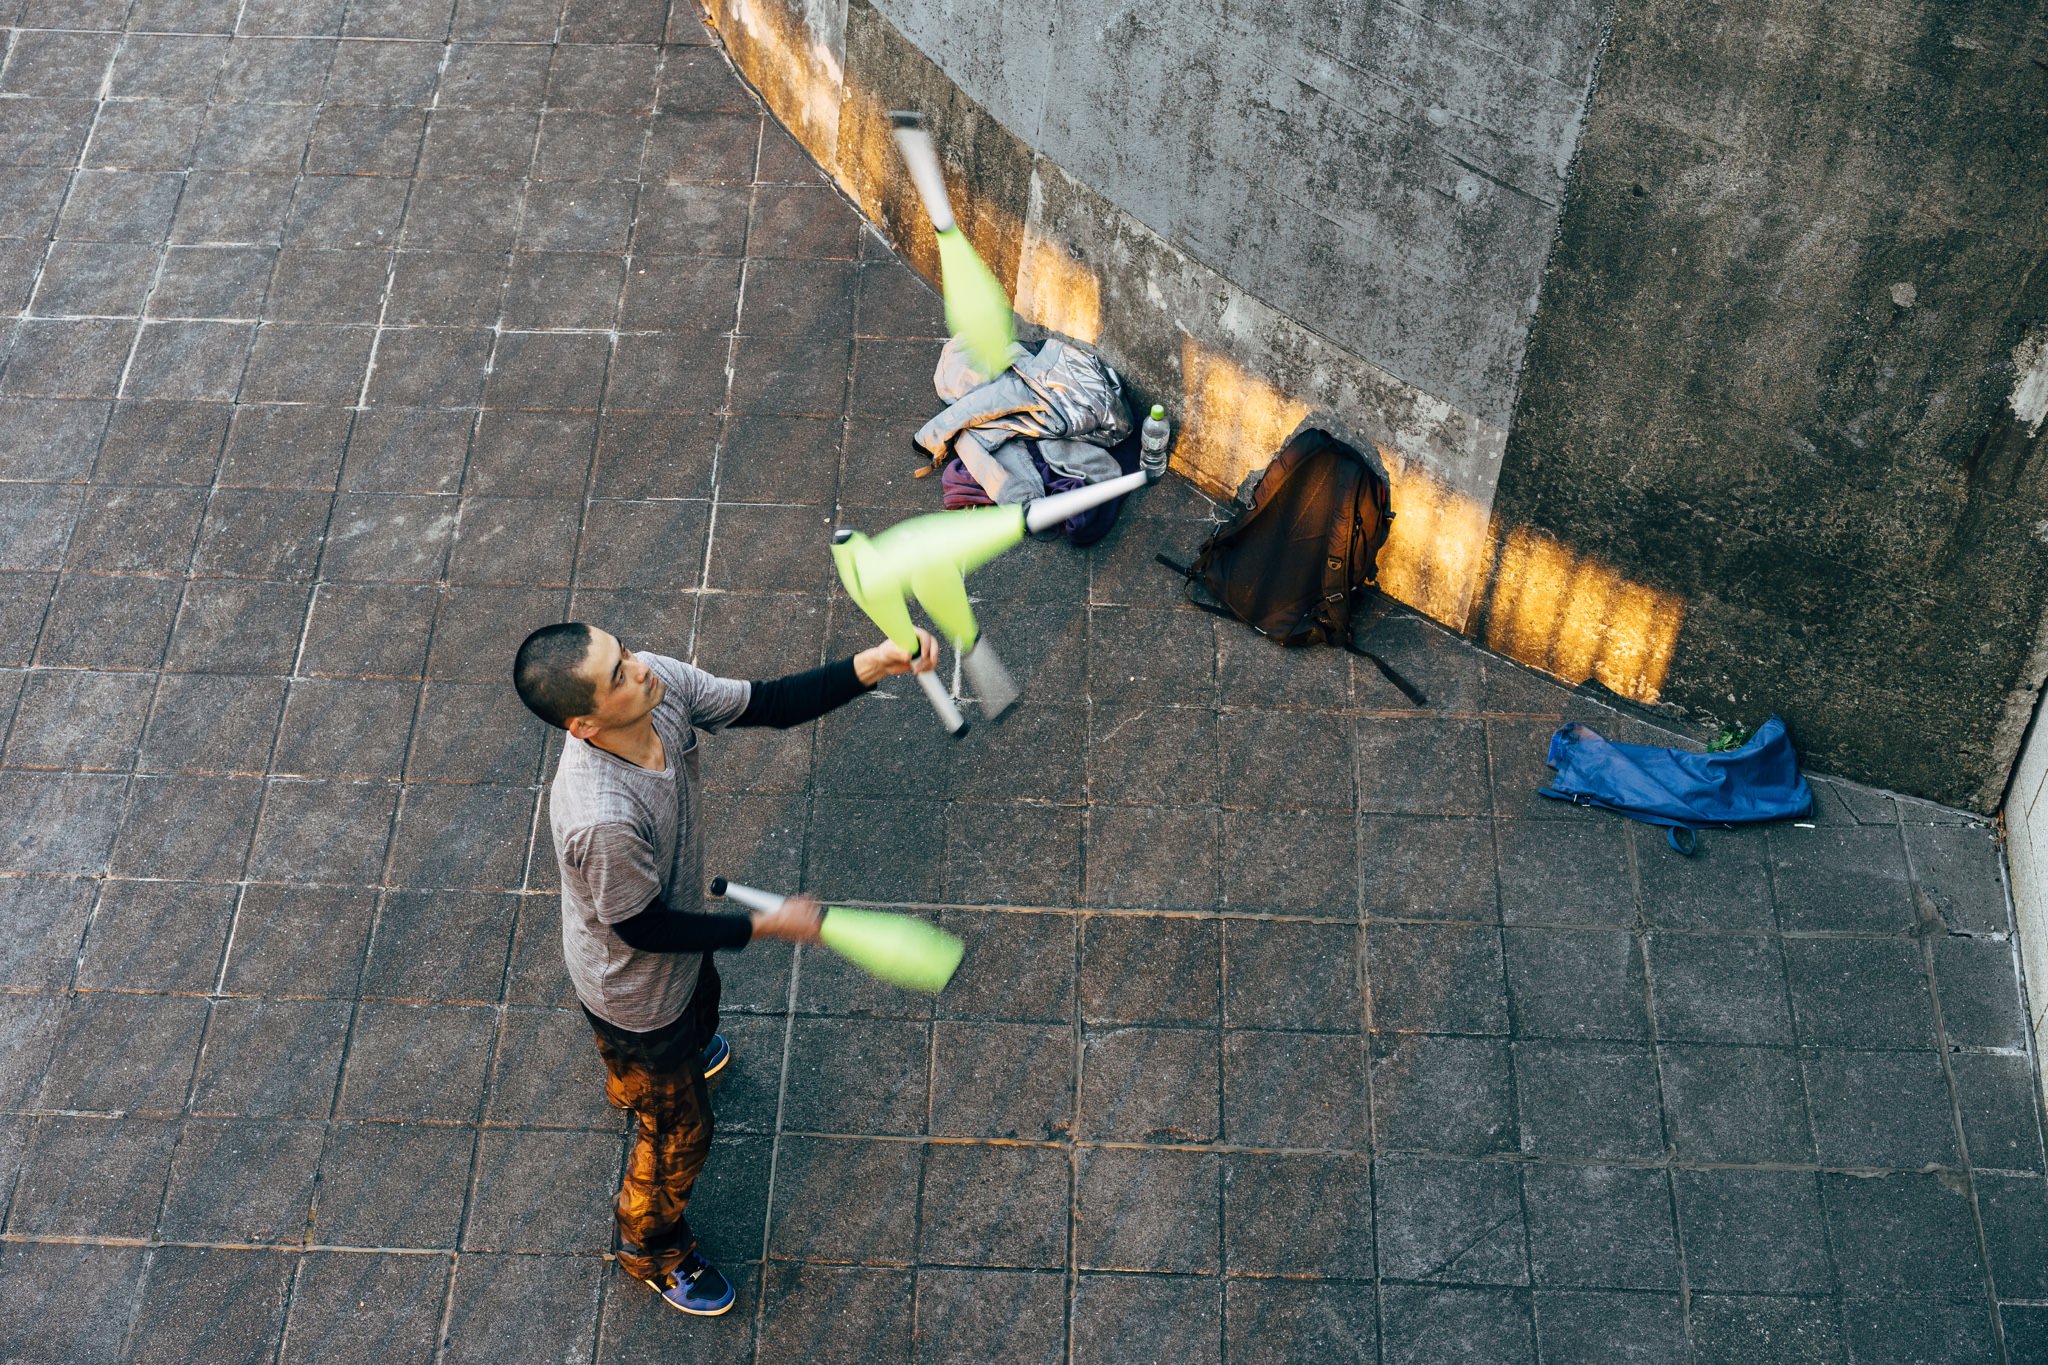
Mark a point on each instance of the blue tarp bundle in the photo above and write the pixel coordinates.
(1678, 789)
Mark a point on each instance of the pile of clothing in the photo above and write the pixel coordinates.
(1048, 423)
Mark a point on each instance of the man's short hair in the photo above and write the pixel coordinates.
(545, 673)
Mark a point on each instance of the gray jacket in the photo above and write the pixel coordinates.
(1064, 398)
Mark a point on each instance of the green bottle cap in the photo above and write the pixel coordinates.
(1158, 411)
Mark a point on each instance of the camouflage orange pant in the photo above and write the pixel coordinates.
(660, 1077)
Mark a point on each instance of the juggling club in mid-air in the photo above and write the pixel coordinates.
(928, 558)
(899, 949)
(977, 308)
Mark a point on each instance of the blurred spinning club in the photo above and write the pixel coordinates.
(977, 309)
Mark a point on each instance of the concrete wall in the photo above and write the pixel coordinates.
(1773, 373)
(2026, 856)
(1356, 234)
(1695, 338)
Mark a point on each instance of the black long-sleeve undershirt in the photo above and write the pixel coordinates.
(657, 929)
(800, 697)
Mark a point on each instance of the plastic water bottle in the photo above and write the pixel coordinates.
(1152, 442)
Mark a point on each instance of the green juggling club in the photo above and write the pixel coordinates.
(898, 949)
(977, 309)
(928, 558)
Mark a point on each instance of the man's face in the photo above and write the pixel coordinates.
(627, 688)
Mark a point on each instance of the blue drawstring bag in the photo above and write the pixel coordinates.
(1678, 789)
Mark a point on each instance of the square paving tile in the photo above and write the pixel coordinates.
(1269, 1321)
(417, 1062)
(1023, 966)
(1588, 1100)
(1578, 1325)
(1735, 1104)
(813, 1220)
(195, 828)
(995, 1206)
(2014, 1211)
(543, 1306)
(1918, 1327)
(55, 1309)
(1860, 993)
(1297, 1215)
(1719, 988)
(857, 1076)
(836, 1315)
(1145, 969)
(1162, 1317)
(299, 941)
(1901, 1234)
(2001, 1116)
(1436, 978)
(1292, 976)
(149, 1075)
(92, 1177)
(1730, 1328)
(1294, 1090)
(1730, 1248)
(241, 1180)
(365, 1307)
(1148, 1210)
(1453, 1096)
(1881, 1109)
(1002, 1080)
(1958, 870)
(42, 920)
(441, 946)
(965, 1317)
(1427, 1323)
(1569, 983)
(543, 1191)
(1427, 869)
(1565, 874)
(211, 1303)
(1600, 1226)
(1844, 879)
(1298, 862)
(271, 1058)
(1451, 1222)
(1980, 1003)
(1150, 1085)
(393, 1184)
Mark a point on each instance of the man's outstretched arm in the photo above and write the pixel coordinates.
(800, 697)
(657, 929)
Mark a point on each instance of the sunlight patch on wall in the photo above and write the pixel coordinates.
(799, 76)
(1578, 619)
(1232, 421)
(1058, 292)
(1435, 555)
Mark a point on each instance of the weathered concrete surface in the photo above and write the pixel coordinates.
(1168, 268)
(1388, 178)
(1798, 255)
(1772, 370)
(1294, 1026)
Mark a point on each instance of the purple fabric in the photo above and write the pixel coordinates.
(961, 490)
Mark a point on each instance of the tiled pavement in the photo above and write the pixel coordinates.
(1294, 1028)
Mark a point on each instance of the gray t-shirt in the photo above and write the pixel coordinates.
(625, 835)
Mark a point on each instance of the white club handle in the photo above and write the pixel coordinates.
(923, 160)
(1049, 511)
(942, 702)
(753, 897)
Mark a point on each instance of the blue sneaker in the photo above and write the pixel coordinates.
(699, 1289)
(716, 1054)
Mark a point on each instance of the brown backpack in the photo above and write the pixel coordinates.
(1299, 562)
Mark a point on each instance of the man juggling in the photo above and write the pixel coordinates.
(624, 806)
